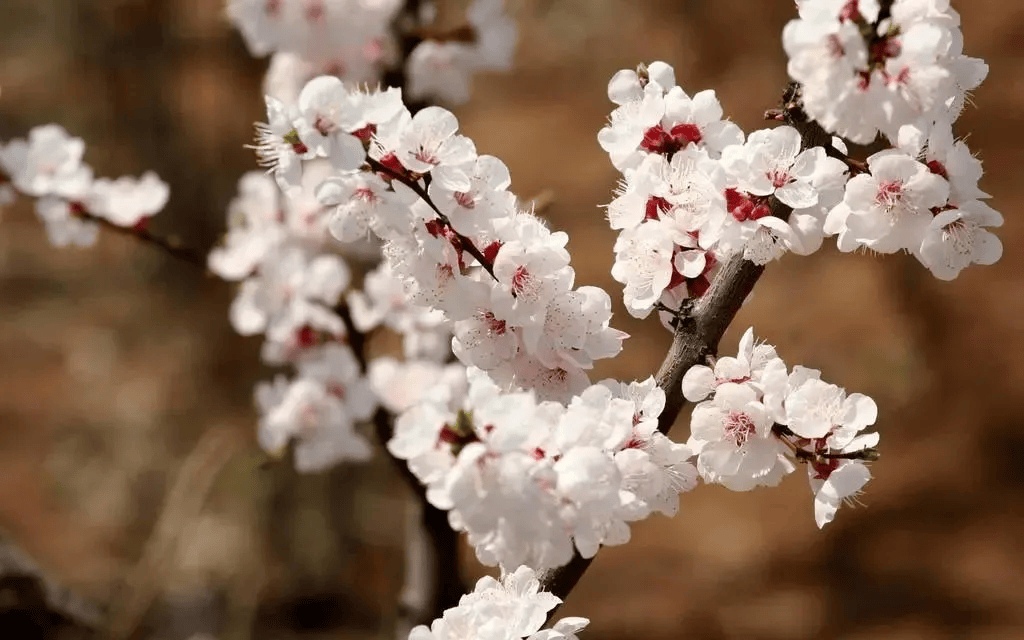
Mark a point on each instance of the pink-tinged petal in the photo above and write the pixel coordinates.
(810, 426)
(719, 460)
(454, 178)
(706, 422)
(734, 396)
(662, 73)
(824, 511)
(347, 153)
(785, 143)
(848, 479)
(835, 222)
(728, 368)
(571, 625)
(860, 192)
(805, 164)
(441, 122)
(706, 108)
(745, 350)
(865, 441)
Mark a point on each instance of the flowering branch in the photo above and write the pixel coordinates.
(698, 332)
(514, 444)
(464, 243)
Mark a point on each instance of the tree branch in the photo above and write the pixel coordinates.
(466, 244)
(432, 582)
(698, 332)
(140, 232)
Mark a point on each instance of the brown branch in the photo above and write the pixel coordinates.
(168, 245)
(406, 27)
(439, 584)
(698, 332)
(465, 243)
(434, 585)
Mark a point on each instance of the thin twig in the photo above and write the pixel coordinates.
(169, 246)
(432, 583)
(465, 243)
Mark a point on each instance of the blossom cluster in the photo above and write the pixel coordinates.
(357, 41)
(349, 38)
(531, 481)
(510, 609)
(528, 457)
(468, 257)
(441, 67)
(695, 190)
(292, 277)
(293, 274)
(903, 76)
(863, 73)
(70, 199)
(761, 417)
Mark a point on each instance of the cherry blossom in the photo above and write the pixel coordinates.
(861, 76)
(127, 201)
(512, 608)
(442, 69)
(314, 415)
(731, 434)
(890, 208)
(48, 163)
(957, 238)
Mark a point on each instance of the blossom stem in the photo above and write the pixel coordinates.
(884, 10)
(465, 243)
(782, 432)
(432, 583)
(855, 166)
(438, 585)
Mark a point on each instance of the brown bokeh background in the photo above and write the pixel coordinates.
(128, 469)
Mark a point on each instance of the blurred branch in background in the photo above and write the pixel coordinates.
(33, 606)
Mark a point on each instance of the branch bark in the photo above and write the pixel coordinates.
(698, 332)
(168, 245)
(432, 581)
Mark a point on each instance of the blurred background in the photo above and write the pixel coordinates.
(129, 473)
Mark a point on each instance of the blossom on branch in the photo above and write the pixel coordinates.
(512, 608)
(762, 419)
(72, 201)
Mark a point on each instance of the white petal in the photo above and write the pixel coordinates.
(690, 263)
(698, 383)
(861, 411)
(797, 194)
